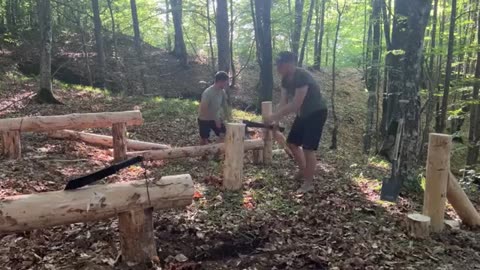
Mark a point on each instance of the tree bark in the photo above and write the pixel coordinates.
(114, 31)
(70, 121)
(167, 24)
(307, 30)
(474, 131)
(138, 45)
(45, 94)
(373, 76)
(222, 27)
(438, 114)
(180, 49)
(448, 69)
(100, 78)
(104, 140)
(297, 29)
(210, 39)
(232, 63)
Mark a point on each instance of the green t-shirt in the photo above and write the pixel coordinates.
(313, 101)
(216, 101)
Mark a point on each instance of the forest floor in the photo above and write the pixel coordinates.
(342, 225)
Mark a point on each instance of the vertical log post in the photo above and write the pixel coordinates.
(119, 135)
(137, 240)
(268, 135)
(438, 169)
(234, 153)
(12, 148)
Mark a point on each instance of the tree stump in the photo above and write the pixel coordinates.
(11, 144)
(418, 225)
(268, 135)
(234, 154)
(119, 135)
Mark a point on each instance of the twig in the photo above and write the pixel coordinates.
(16, 101)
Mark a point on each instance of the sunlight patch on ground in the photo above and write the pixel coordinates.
(371, 188)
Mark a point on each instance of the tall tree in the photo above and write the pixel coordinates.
(180, 49)
(261, 11)
(45, 94)
(138, 43)
(210, 39)
(410, 21)
(222, 26)
(474, 132)
(167, 24)
(448, 68)
(373, 72)
(297, 28)
(114, 30)
(232, 26)
(319, 33)
(307, 30)
(100, 78)
(340, 11)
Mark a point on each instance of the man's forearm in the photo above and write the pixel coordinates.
(283, 111)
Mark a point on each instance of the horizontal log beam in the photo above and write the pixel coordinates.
(193, 151)
(97, 202)
(104, 140)
(70, 121)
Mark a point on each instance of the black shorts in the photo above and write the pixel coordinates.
(307, 131)
(206, 125)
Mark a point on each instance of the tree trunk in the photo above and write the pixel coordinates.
(84, 48)
(167, 24)
(307, 30)
(100, 78)
(262, 14)
(210, 39)
(180, 49)
(410, 21)
(223, 36)
(316, 46)
(232, 63)
(386, 69)
(438, 114)
(334, 74)
(138, 44)
(114, 31)
(373, 76)
(474, 132)
(448, 69)
(297, 29)
(45, 94)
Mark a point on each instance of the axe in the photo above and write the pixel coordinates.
(277, 134)
(261, 125)
(93, 177)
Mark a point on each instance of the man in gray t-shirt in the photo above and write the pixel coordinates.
(212, 106)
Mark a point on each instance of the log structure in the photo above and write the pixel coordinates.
(119, 136)
(104, 140)
(438, 169)
(418, 225)
(92, 203)
(234, 154)
(70, 121)
(460, 202)
(267, 137)
(11, 144)
(194, 151)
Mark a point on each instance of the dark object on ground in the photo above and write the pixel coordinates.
(261, 125)
(93, 177)
(391, 186)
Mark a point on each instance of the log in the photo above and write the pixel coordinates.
(418, 225)
(119, 136)
(104, 140)
(92, 203)
(12, 147)
(438, 168)
(70, 121)
(193, 151)
(267, 137)
(234, 155)
(460, 202)
(137, 239)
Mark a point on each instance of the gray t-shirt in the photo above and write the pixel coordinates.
(216, 100)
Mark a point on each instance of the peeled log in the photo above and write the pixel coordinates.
(193, 151)
(104, 140)
(42, 210)
(460, 202)
(418, 225)
(234, 154)
(70, 121)
(268, 134)
(12, 147)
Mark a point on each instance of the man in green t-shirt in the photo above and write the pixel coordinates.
(301, 95)
(213, 104)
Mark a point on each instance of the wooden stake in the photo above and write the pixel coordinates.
(119, 135)
(267, 151)
(418, 225)
(460, 202)
(438, 168)
(234, 153)
(137, 239)
(12, 148)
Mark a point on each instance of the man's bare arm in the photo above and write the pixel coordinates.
(291, 107)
